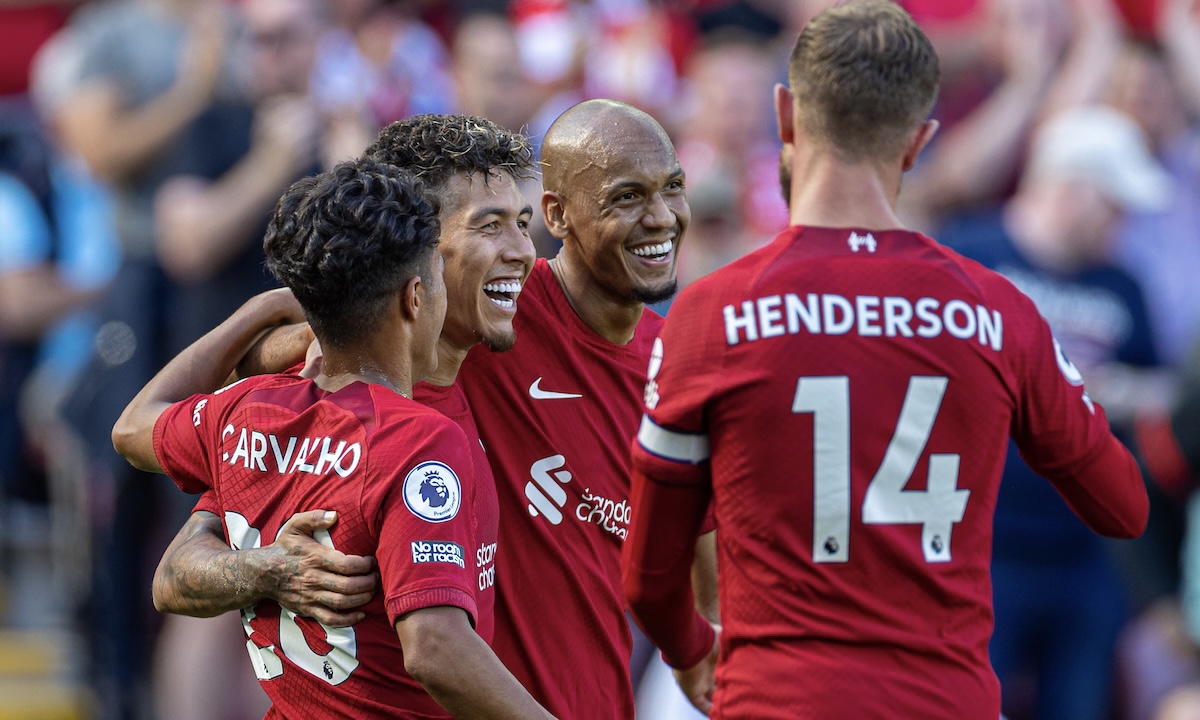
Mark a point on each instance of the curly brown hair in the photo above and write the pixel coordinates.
(438, 147)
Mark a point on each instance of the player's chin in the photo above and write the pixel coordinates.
(656, 292)
(499, 337)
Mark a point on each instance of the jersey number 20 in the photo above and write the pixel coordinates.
(935, 509)
(334, 667)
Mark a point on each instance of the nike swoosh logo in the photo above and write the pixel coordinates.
(537, 393)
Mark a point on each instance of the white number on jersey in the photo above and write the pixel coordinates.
(333, 667)
(935, 509)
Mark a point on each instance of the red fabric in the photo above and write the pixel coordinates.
(23, 30)
(560, 623)
(400, 477)
(451, 402)
(1141, 15)
(887, 616)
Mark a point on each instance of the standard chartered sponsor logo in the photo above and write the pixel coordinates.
(545, 493)
(485, 561)
(612, 516)
(547, 498)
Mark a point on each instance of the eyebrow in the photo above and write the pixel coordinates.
(500, 211)
(636, 185)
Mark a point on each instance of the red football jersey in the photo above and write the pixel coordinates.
(451, 402)
(400, 477)
(850, 396)
(557, 414)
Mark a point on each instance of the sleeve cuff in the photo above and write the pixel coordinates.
(454, 597)
(702, 638)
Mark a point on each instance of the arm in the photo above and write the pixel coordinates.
(279, 349)
(202, 367)
(1179, 31)
(1085, 72)
(116, 140)
(199, 575)
(704, 577)
(204, 225)
(31, 299)
(458, 669)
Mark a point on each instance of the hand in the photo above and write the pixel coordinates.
(313, 580)
(203, 53)
(1028, 39)
(286, 132)
(699, 682)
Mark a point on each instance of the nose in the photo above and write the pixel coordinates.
(518, 248)
(658, 213)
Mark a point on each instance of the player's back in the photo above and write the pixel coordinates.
(858, 390)
(391, 468)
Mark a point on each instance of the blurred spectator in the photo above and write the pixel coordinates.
(488, 76)
(729, 150)
(195, 165)
(1058, 598)
(380, 63)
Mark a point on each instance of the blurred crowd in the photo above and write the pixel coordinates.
(143, 144)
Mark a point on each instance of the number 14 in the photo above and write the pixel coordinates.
(935, 509)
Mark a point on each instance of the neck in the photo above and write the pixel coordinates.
(339, 369)
(614, 319)
(450, 359)
(829, 192)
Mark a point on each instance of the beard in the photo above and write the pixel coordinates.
(499, 342)
(649, 296)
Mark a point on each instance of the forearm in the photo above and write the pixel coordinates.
(116, 141)
(1182, 42)
(279, 349)
(657, 564)
(1108, 493)
(200, 576)
(204, 226)
(202, 367)
(458, 669)
(32, 300)
(704, 578)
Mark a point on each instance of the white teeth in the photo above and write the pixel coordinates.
(507, 286)
(653, 250)
(503, 302)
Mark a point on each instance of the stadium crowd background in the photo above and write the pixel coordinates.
(143, 142)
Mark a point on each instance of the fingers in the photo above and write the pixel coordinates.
(307, 523)
(341, 564)
(330, 618)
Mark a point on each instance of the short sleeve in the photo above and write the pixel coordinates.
(421, 506)
(680, 381)
(188, 432)
(208, 503)
(1057, 427)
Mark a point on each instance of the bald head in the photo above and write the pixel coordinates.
(587, 133)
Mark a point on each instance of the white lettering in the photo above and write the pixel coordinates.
(301, 457)
(337, 464)
(867, 307)
(329, 457)
(953, 309)
(769, 316)
(281, 459)
(258, 451)
(798, 313)
(830, 304)
(242, 451)
(991, 327)
(897, 311)
(745, 321)
(926, 307)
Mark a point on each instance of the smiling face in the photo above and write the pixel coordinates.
(626, 211)
(488, 253)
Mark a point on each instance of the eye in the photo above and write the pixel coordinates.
(493, 225)
(626, 196)
(676, 184)
(523, 224)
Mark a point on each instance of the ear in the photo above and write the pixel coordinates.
(410, 299)
(918, 142)
(785, 113)
(554, 213)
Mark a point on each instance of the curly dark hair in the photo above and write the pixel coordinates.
(437, 147)
(347, 240)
